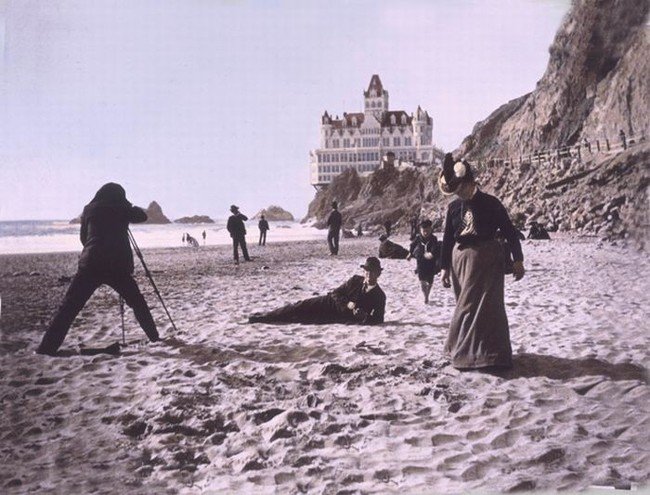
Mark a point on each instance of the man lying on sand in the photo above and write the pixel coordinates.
(360, 300)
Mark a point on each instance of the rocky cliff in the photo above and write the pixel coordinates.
(596, 85)
(392, 195)
(274, 214)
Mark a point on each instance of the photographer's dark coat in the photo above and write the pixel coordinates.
(106, 258)
(333, 307)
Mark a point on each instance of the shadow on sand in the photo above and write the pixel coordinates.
(555, 368)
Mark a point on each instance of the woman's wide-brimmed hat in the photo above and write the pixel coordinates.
(453, 174)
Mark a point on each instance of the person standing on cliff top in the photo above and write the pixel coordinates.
(237, 231)
(106, 258)
(263, 225)
(334, 222)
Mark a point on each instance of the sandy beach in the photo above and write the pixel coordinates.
(222, 406)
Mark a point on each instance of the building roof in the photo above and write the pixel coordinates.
(386, 121)
(375, 83)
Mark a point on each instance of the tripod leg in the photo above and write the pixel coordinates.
(122, 316)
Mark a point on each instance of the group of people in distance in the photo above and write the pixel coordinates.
(471, 261)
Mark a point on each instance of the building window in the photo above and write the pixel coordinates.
(403, 119)
(386, 141)
(346, 143)
(397, 141)
(407, 141)
(393, 120)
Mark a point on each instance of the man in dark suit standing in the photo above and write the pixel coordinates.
(334, 222)
(359, 301)
(237, 231)
(263, 225)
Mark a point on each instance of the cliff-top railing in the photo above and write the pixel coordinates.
(579, 151)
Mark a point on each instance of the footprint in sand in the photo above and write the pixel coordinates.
(505, 439)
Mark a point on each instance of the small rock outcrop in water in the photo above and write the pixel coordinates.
(275, 213)
(155, 214)
(195, 219)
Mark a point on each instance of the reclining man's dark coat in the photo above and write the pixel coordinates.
(333, 307)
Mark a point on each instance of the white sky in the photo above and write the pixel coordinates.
(200, 104)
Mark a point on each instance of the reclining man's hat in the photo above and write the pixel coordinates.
(453, 174)
(234, 208)
(372, 263)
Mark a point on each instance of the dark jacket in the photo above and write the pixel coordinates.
(334, 221)
(263, 225)
(419, 247)
(489, 215)
(236, 225)
(104, 231)
(372, 303)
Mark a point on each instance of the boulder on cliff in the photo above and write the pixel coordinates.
(194, 219)
(155, 214)
(274, 214)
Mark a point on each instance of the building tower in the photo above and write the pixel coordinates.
(375, 98)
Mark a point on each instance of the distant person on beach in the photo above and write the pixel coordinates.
(263, 225)
(183, 240)
(473, 261)
(204, 236)
(237, 231)
(426, 251)
(106, 258)
(360, 300)
(391, 250)
(359, 230)
(334, 222)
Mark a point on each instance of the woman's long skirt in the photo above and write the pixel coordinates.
(479, 336)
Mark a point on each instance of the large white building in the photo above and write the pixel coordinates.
(361, 140)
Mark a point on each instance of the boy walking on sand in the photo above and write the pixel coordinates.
(425, 250)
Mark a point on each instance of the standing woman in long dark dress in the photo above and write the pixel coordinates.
(106, 259)
(473, 262)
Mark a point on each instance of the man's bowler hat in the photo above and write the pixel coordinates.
(372, 263)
